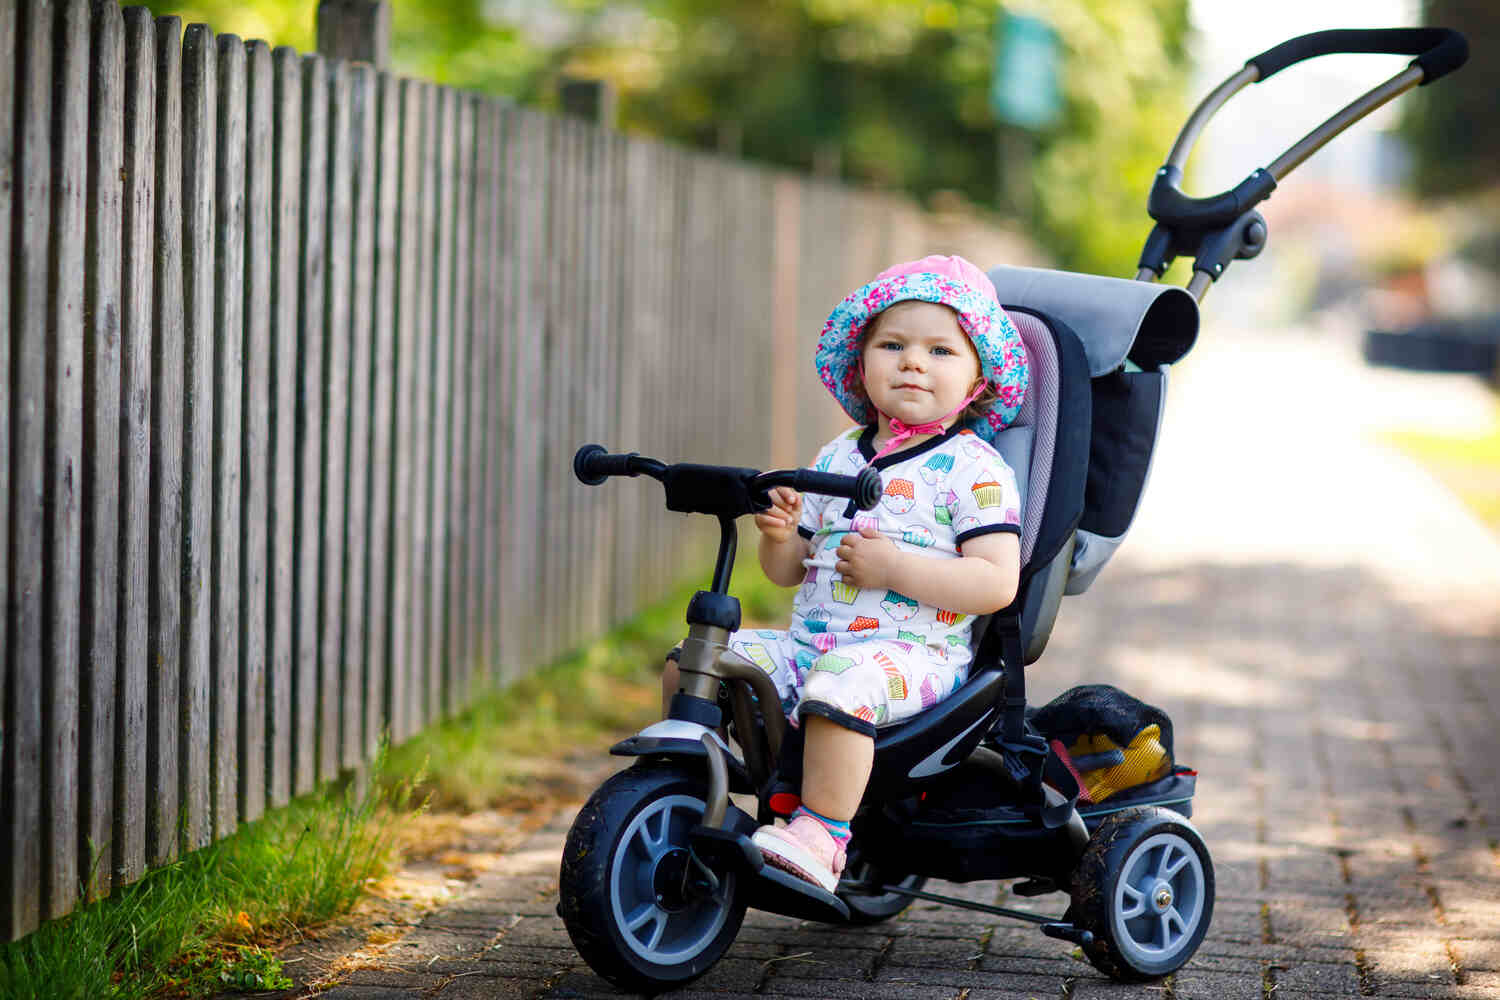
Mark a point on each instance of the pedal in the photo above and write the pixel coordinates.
(1034, 887)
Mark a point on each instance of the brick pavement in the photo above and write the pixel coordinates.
(1328, 651)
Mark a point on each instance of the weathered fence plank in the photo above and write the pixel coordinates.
(477, 368)
(61, 585)
(199, 111)
(228, 420)
(446, 153)
(380, 610)
(361, 255)
(282, 701)
(310, 334)
(100, 569)
(335, 421)
(137, 253)
(23, 787)
(167, 403)
(402, 621)
(529, 202)
(255, 467)
(422, 664)
(500, 449)
(9, 67)
(460, 362)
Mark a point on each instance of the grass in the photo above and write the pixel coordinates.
(1469, 465)
(212, 921)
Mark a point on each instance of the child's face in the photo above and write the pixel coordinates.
(919, 364)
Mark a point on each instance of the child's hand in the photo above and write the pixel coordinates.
(779, 524)
(866, 559)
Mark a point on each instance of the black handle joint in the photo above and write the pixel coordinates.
(1168, 204)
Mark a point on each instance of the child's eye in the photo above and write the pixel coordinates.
(889, 345)
(943, 350)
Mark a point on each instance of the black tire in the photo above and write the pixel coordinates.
(865, 909)
(1145, 889)
(626, 846)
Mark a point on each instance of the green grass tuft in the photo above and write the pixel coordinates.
(203, 924)
(1468, 464)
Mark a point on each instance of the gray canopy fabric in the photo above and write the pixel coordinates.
(1151, 324)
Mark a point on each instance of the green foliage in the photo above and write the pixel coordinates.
(197, 927)
(890, 93)
(1452, 125)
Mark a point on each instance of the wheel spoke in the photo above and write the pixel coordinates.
(1176, 867)
(1137, 901)
(642, 916)
(1174, 916)
(1163, 866)
(656, 843)
(656, 935)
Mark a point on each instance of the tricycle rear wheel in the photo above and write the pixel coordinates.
(639, 909)
(1145, 889)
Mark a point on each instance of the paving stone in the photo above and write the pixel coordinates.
(1316, 977)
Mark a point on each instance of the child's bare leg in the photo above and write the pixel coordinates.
(836, 765)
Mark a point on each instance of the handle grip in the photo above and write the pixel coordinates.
(592, 464)
(1439, 51)
(864, 489)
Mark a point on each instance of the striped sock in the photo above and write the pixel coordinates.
(837, 829)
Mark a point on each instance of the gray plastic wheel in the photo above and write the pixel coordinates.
(652, 851)
(641, 912)
(1145, 888)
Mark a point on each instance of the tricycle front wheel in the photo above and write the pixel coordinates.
(640, 910)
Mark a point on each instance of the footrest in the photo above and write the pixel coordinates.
(765, 887)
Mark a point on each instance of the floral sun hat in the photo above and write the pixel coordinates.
(950, 281)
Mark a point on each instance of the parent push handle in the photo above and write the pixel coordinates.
(1220, 228)
(1438, 51)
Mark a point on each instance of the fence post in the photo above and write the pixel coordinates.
(356, 30)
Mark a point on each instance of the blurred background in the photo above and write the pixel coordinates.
(1049, 117)
(1045, 122)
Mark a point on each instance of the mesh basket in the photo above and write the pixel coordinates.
(1108, 739)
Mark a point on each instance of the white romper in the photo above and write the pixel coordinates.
(868, 658)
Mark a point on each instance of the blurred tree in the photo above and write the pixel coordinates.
(892, 93)
(1452, 125)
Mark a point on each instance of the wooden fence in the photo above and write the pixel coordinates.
(295, 356)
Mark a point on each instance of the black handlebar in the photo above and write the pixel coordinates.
(720, 489)
(1439, 51)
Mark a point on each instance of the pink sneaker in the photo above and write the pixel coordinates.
(803, 848)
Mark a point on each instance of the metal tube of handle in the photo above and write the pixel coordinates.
(1351, 113)
(1205, 110)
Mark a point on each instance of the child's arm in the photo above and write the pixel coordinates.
(781, 548)
(982, 580)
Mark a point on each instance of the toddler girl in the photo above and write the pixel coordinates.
(927, 363)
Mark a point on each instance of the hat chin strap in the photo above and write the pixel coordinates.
(901, 431)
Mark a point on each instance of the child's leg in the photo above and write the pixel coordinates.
(836, 764)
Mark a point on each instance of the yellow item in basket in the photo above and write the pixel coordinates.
(1145, 760)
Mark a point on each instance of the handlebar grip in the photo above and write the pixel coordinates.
(592, 464)
(1439, 51)
(864, 489)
